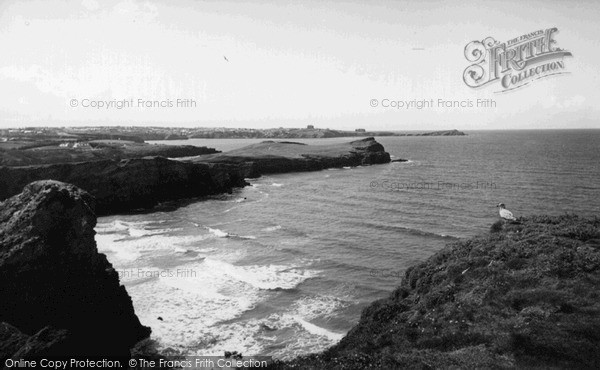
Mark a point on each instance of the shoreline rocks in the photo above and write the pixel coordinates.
(60, 296)
(129, 184)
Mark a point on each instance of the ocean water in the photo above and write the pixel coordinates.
(285, 266)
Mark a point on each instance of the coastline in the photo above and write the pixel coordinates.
(499, 299)
(524, 295)
(68, 201)
(123, 185)
(505, 298)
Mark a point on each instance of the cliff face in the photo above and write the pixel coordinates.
(526, 295)
(124, 185)
(137, 183)
(279, 157)
(59, 295)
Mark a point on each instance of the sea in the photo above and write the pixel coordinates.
(284, 266)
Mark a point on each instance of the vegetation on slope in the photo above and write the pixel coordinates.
(42, 153)
(525, 295)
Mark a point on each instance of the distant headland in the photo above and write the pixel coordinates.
(10, 138)
(124, 175)
(310, 132)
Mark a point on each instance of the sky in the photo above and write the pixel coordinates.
(261, 64)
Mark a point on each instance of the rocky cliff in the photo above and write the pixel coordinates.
(136, 183)
(524, 296)
(59, 295)
(124, 185)
(279, 157)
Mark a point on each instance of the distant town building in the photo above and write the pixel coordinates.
(360, 130)
(310, 127)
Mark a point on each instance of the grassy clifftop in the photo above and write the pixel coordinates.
(285, 156)
(42, 153)
(524, 295)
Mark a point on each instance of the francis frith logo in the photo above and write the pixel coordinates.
(516, 62)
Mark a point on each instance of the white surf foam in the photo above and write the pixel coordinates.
(306, 336)
(112, 227)
(121, 224)
(272, 228)
(296, 335)
(122, 249)
(263, 277)
(138, 232)
(117, 253)
(191, 305)
(276, 184)
(218, 233)
(200, 310)
(317, 330)
(239, 336)
(198, 303)
(318, 306)
(134, 229)
(207, 250)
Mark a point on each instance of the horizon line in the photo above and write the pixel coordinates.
(294, 128)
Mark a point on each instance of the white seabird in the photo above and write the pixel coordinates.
(505, 213)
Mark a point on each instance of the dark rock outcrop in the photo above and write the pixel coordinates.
(279, 157)
(59, 295)
(125, 185)
(141, 183)
(525, 296)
